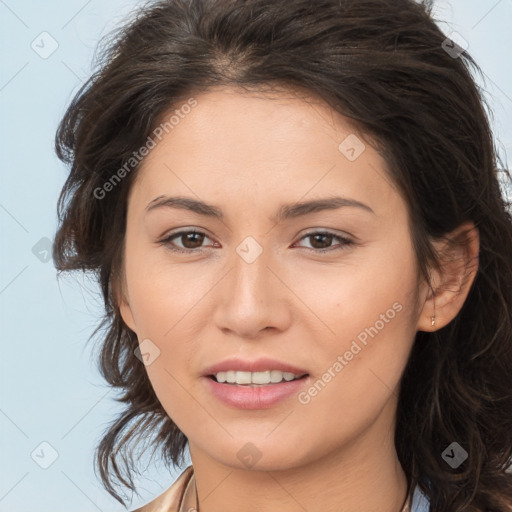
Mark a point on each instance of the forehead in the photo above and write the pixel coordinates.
(255, 143)
(276, 118)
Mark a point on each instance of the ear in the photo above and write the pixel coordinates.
(458, 254)
(122, 300)
(126, 315)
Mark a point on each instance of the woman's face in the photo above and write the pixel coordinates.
(263, 281)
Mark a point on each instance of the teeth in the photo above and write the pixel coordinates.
(266, 377)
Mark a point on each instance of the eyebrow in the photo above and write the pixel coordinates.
(285, 211)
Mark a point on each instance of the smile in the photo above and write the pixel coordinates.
(255, 378)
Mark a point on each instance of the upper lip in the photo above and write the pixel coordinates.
(258, 365)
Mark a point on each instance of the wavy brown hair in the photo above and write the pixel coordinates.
(384, 64)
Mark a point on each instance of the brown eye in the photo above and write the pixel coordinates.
(190, 241)
(321, 241)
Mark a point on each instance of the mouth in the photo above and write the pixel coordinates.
(244, 394)
(255, 379)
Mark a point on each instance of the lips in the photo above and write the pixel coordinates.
(253, 397)
(244, 397)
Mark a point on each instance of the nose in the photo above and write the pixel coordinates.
(252, 298)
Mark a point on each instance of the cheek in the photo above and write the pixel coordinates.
(163, 294)
(367, 314)
(376, 289)
(168, 304)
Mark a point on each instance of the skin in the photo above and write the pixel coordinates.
(248, 153)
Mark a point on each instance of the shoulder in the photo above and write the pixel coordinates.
(170, 499)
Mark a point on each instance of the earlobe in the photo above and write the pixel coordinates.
(126, 315)
(124, 306)
(458, 254)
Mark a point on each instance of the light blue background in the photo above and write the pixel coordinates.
(50, 389)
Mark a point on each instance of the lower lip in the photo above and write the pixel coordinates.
(254, 397)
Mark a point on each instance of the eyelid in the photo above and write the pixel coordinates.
(345, 240)
(167, 239)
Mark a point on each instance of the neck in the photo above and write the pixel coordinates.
(365, 474)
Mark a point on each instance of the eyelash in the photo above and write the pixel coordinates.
(346, 242)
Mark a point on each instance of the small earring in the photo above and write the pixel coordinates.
(433, 318)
